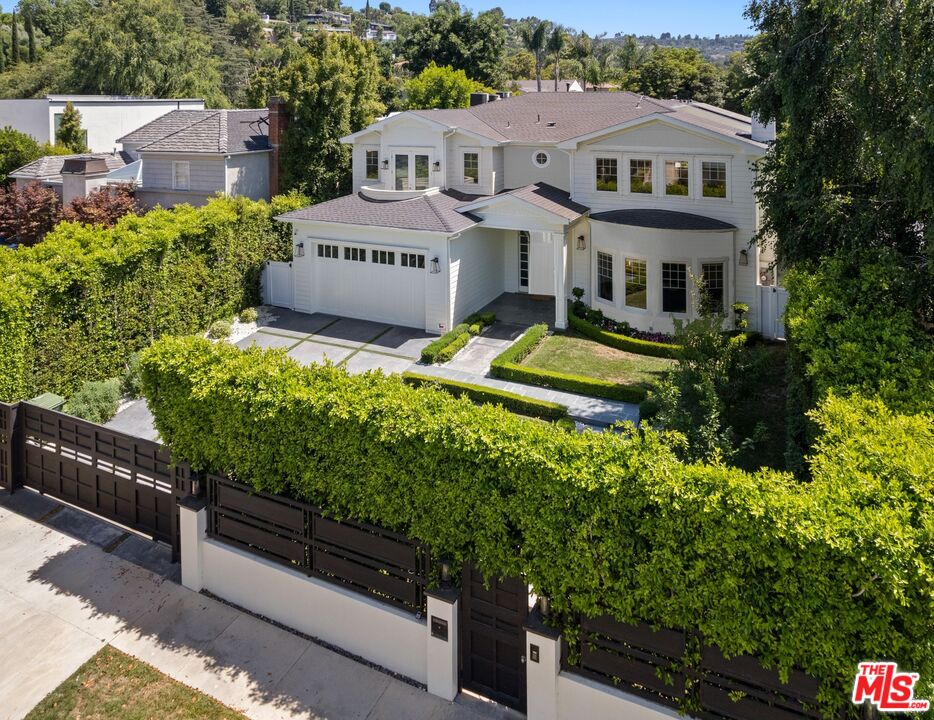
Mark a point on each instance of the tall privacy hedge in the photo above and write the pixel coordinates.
(818, 575)
(75, 306)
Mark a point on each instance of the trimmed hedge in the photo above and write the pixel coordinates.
(75, 306)
(506, 367)
(622, 342)
(482, 394)
(432, 353)
(819, 575)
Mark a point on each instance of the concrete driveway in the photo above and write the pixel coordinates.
(357, 345)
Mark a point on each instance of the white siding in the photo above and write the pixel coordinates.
(476, 277)
(520, 170)
(412, 135)
(370, 141)
(457, 144)
(510, 260)
(248, 175)
(499, 169)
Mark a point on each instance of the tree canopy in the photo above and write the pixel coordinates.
(440, 87)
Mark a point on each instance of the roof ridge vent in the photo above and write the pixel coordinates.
(552, 123)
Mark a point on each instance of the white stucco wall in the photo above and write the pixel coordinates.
(367, 628)
(30, 116)
(248, 175)
(579, 697)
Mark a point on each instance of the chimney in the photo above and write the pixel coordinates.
(763, 132)
(82, 175)
(278, 123)
(479, 98)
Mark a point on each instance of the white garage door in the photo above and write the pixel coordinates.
(370, 282)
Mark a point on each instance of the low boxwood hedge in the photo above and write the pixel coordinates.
(480, 393)
(622, 342)
(452, 348)
(506, 367)
(431, 352)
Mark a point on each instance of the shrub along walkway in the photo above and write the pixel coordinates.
(588, 410)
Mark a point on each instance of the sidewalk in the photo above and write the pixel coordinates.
(65, 598)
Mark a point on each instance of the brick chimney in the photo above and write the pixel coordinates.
(278, 122)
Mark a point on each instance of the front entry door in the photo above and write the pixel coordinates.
(493, 638)
(524, 243)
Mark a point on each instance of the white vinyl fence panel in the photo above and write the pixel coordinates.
(277, 284)
(772, 302)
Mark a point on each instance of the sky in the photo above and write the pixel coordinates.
(638, 17)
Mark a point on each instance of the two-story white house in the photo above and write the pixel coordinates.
(624, 196)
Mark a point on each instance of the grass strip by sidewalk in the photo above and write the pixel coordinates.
(114, 686)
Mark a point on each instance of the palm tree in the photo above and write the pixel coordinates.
(535, 39)
(582, 50)
(556, 42)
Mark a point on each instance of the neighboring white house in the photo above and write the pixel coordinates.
(74, 176)
(188, 156)
(624, 196)
(104, 118)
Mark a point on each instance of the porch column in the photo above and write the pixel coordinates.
(558, 241)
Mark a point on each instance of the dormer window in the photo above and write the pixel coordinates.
(372, 164)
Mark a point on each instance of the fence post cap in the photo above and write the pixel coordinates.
(192, 502)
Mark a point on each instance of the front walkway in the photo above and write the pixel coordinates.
(64, 598)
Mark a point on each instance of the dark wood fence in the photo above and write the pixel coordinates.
(657, 664)
(360, 557)
(117, 476)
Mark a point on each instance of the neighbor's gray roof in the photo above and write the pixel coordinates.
(556, 117)
(436, 212)
(203, 131)
(49, 167)
(662, 220)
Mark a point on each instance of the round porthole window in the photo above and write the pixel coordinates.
(540, 159)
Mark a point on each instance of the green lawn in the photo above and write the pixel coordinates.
(570, 353)
(115, 686)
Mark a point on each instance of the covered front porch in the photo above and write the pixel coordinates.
(523, 309)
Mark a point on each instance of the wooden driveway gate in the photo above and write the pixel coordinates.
(122, 478)
(493, 637)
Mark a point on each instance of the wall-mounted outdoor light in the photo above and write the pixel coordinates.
(743, 257)
(445, 572)
(437, 165)
(300, 250)
(385, 164)
(581, 242)
(435, 266)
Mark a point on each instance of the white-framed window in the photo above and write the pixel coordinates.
(412, 169)
(371, 158)
(412, 260)
(605, 276)
(181, 175)
(541, 159)
(328, 251)
(636, 290)
(678, 178)
(606, 174)
(674, 287)
(714, 179)
(471, 166)
(640, 175)
(713, 274)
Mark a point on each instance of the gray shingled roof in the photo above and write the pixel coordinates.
(203, 131)
(436, 212)
(550, 198)
(556, 117)
(662, 220)
(49, 167)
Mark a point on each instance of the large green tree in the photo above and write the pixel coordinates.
(440, 87)
(852, 86)
(331, 89)
(677, 73)
(453, 36)
(16, 149)
(142, 47)
(535, 40)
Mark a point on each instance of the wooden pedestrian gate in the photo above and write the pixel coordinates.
(119, 477)
(493, 637)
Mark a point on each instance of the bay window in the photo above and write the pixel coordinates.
(714, 287)
(674, 288)
(636, 285)
(605, 276)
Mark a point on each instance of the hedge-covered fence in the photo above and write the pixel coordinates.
(77, 305)
(818, 575)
